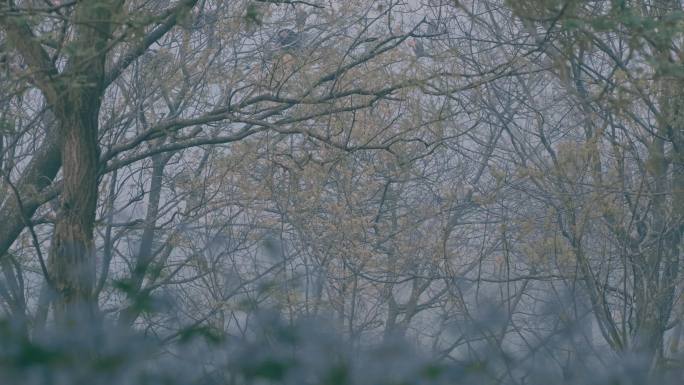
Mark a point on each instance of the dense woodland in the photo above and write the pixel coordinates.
(341, 191)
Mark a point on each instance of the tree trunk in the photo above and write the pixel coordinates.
(72, 259)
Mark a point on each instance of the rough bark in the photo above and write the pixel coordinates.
(72, 258)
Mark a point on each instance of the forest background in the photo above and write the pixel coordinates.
(498, 185)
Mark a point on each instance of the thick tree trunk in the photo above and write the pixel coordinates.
(72, 261)
(72, 257)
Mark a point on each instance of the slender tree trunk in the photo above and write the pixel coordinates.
(145, 252)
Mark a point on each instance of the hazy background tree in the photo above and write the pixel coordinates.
(494, 181)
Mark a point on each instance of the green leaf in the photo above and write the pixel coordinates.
(603, 24)
(253, 16)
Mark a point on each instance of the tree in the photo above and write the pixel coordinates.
(79, 56)
(614, 171)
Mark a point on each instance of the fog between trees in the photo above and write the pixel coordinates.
(197, 186)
